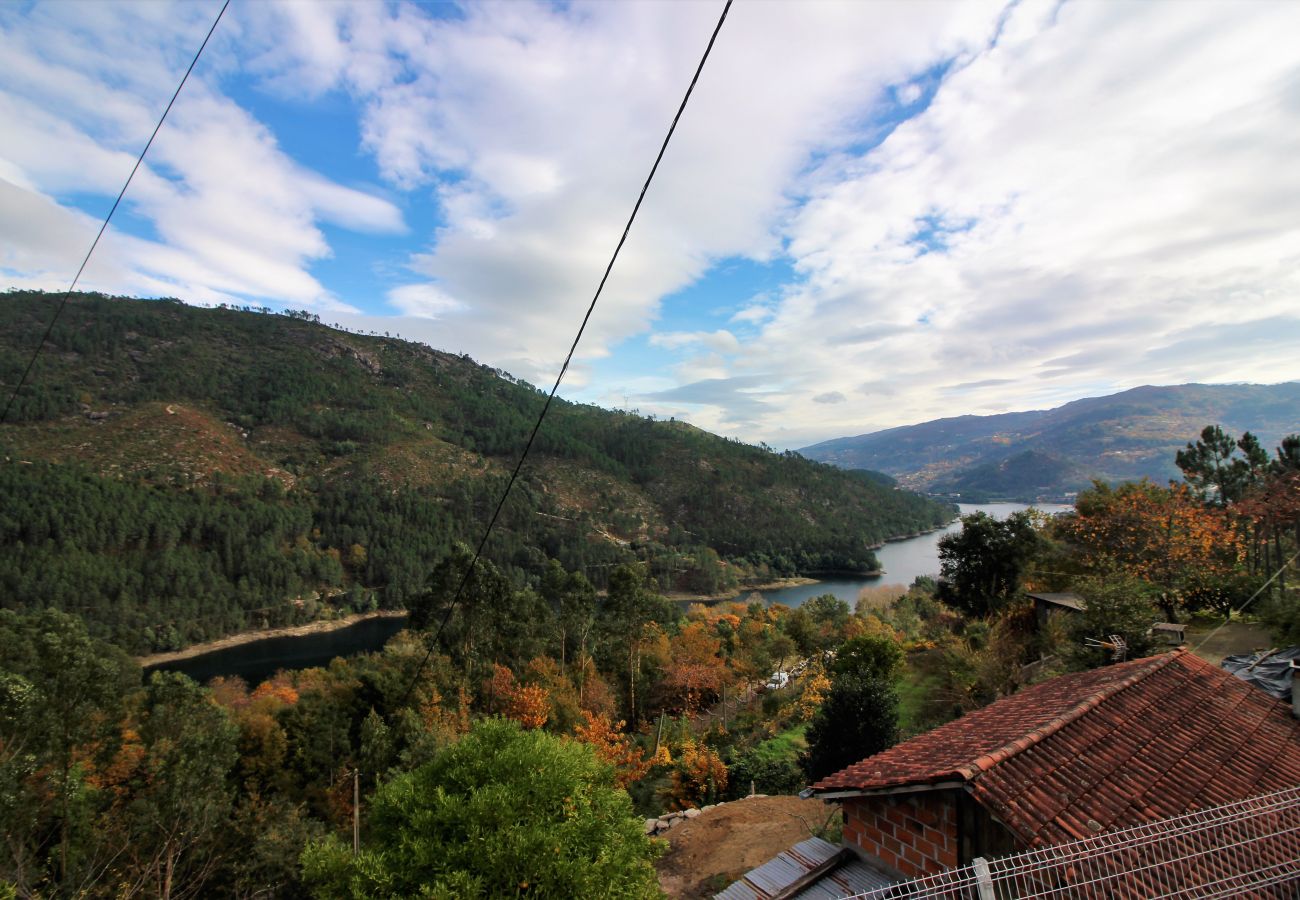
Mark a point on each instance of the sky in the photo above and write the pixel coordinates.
(872, 214)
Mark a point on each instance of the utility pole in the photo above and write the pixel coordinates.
(356, 811)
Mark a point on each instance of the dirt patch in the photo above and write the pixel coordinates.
(1229, 640)
(709, 852)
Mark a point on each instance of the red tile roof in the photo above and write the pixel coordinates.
(1128, 743)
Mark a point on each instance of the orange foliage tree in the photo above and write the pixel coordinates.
(527, 704)
(614, 747)
(696, 671)
(1161, 535)
(700, 775)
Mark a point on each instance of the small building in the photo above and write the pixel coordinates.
(1049, 604)
(1065, 760)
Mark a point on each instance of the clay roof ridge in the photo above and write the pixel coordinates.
(987, 761)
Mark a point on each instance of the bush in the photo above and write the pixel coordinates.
(858, 719)
(1116, 606)
(502, 812)
(768, 772)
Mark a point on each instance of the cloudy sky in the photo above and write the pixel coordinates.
(872, 213)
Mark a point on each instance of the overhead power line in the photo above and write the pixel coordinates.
(102, 228)
(1263, 587)
(514, 475)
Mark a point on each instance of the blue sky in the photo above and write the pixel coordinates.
(872, 213)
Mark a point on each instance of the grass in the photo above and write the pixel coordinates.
(786, 745)
(916, 689)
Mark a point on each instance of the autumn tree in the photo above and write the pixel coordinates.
(1161, 535)
(526, 704)
(696, 672)
(613, 746)
(699, 775)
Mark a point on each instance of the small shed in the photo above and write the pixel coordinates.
(1048, 604)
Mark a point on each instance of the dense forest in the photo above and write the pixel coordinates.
(173, 474)
(510, 744)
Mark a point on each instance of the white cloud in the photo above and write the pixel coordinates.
(535, 125)
(720, 341)
(754, 313)
(1103, 195)
(231, 214)
(423, 301)
(1124, 171)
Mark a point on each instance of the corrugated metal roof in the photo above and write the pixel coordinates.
(853, 876)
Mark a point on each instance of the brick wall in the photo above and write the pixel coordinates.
(913, 833)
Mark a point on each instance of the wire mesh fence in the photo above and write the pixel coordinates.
(1250, 848)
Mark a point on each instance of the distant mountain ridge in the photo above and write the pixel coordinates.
(1049, 454)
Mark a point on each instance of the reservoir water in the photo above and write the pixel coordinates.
(258, 660)
(902, 562)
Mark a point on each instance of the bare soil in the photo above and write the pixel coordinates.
(709, 852)
(1227, 640)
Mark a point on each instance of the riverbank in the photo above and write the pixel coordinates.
(742, 591)
(321, 626)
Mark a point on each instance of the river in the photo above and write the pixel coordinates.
(902, 562)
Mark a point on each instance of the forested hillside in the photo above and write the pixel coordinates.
(173, 474)
(1043, 454)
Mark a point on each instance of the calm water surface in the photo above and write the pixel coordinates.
(902, 561)
(258, 660)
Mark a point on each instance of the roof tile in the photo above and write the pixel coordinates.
(1119, 745)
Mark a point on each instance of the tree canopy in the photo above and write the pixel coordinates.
(981, 565)
(502, 812)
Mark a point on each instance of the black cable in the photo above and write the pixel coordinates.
(102, 228)
(469, 572)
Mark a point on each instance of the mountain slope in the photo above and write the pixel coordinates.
(1047, 453)
(178, 473)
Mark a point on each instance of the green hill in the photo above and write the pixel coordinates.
(175, 474)
(1044, 454)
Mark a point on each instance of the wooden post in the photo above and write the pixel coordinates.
(356, 811)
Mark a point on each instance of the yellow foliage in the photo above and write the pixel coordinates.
(700, 776)
(614, 747)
